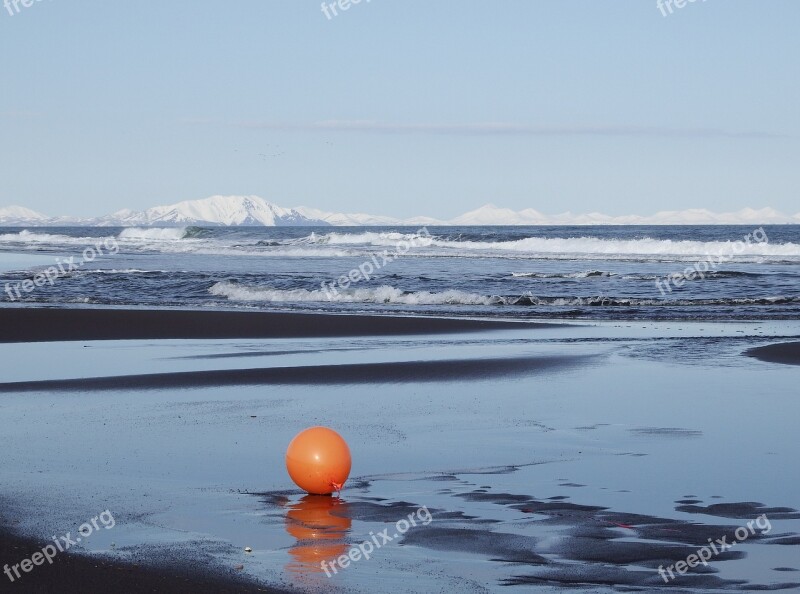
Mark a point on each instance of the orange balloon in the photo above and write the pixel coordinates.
(318, 460)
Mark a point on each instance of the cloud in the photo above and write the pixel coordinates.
(502, 129)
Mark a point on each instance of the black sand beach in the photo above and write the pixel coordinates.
(90, 575)
(535, 530)
(784, 352)
(320, 375)
(48, 324)
(75, 573)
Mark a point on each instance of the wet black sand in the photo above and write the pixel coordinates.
(41, 325)
(75, 573)
(783, 352)
(363, 373)
(597, 547)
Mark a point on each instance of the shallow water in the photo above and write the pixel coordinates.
(648, 415)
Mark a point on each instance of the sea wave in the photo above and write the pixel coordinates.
(561, 247)
(370, 238)
(711, 274)
(382, 294)
(26, 236)
(631, 247)
(123, 271)
(387, 294)
(586, 274)
(153, 233)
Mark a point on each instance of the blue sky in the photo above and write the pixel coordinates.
(401, 107)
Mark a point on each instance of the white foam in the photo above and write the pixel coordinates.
(369, 238)
(26, 236)
(586, 274)
(153, 233)
(382, 294)
(589, 248)
(390, 295)
(618, 247)
(123, 271)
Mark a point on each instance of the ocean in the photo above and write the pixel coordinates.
(630, 272)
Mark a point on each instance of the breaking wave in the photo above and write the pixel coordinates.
(26, 236)
(390, 295)
(154, 234)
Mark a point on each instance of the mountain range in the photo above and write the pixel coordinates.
(255, 211)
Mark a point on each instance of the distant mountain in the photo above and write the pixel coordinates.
(493, 215)
(253, 210)
(216, 210)
(18, 215)
(346, 220)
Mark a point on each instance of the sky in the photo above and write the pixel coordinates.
(401, 107)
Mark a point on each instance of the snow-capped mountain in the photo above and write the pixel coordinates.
(490, 214)
(253, 210)
(345, 220)
(216, 210)
(19, 215)
(493, 215)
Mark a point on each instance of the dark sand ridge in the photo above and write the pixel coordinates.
(783, 352)
(42, 325)
(314, 375)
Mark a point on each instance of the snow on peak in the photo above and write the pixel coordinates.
(215, 210)
(254, 210)
(347, 220)
(20, 213)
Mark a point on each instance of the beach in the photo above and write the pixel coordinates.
(549, 456)
(420, 298)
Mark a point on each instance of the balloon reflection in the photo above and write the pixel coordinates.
(320, 525)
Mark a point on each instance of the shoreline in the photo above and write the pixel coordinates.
(63, 324)
(71, 572)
